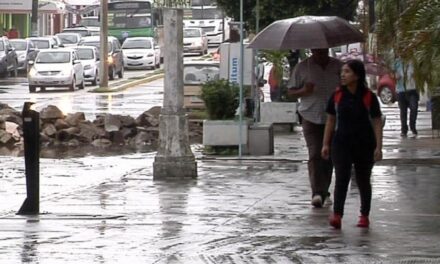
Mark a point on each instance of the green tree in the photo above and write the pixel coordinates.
(275, 10)
(411, 29)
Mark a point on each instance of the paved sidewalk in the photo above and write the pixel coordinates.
(257, 210)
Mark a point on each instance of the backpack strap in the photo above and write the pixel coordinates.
(337, 99)
(367, 100)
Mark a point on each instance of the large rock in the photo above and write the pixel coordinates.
(11, 115)
(6, 138)
(155, 111)
(99, 121)
(89, 132)
(49, 130)
(117, 138)
(112, 123)
(142, 139)
(2, 124)
(51, 112)
(61, 124)
(128, 121)
(75, 119)
(128, 132)
(67, 134)
(13, 129)
(147, 119)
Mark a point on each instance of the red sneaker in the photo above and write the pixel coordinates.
(335, 220)
(363, 221)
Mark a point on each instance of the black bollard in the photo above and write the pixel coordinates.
(31, 136)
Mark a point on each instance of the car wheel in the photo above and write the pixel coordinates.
(112, 74)
(14, 72)
(121, 73)
(386, 95)
(95, 80)
(81, 86)
(32, 88)
(42, 89)
(73, 85)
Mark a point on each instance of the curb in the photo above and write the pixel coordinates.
(127, 85)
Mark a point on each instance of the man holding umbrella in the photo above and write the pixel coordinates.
(314, 80)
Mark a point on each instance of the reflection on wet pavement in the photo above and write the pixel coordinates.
(109, 210)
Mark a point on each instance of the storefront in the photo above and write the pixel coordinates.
(17, 14)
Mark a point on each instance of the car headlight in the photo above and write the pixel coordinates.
(150, 55)
(87, 67)
(32, 72)
(66, 73)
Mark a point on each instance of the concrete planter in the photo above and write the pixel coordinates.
(278, 112)
(224, 133)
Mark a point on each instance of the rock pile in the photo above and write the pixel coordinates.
(73, 130)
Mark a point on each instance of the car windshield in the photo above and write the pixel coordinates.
(96, 44)
(53, 57)
(82, 32)
(18, 45)
(68, 39)
(41, 44)
(199, 74)
(85, 54)
(137, 44)
(191, 33)
(2, 46)
(127, 20)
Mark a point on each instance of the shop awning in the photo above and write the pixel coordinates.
(25, 6)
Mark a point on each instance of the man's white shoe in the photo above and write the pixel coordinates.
(317, 201)
(328, 201)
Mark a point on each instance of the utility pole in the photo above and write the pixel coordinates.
(103, 53)
(34, 18)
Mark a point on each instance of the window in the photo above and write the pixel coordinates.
(191, 33)
(137, 44)
(85, 54)
(53, 57)
(19, 45)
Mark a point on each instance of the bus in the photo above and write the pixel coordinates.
(133, 19)
(210, 18)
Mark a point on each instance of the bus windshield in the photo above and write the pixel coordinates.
(123, 20)
(206, 13)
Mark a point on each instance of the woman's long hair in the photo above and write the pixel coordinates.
(358, 68)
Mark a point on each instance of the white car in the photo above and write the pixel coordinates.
(69, 39)
(44, 43)
(194, 41)
(89, 57)
(141, 52)
(56, 68)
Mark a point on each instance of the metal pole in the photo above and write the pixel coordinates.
(257, 68)
(103, 54)
(34, 18)
(240, 150)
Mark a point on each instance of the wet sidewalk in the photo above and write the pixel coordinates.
(256, 210)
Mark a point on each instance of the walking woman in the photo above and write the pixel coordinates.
(353, 136)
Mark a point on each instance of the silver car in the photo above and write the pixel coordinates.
(56, 68)
(89, 57)
(25, 50)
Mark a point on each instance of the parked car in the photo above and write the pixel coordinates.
(89, 57)
(141, 52)
(195, 41)
(69, 39)
(386, 89)
(90, 21)
(195, 74)
(83, 31)
(25, 50)
(56, 68)
(44, 43)
(8, 58)
(115, 56)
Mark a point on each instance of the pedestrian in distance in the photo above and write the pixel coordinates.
(407, 96)
(353, 136)
(13, 33)
(313, 81)
(274, 84)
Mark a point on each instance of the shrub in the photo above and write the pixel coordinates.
(221, 99)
